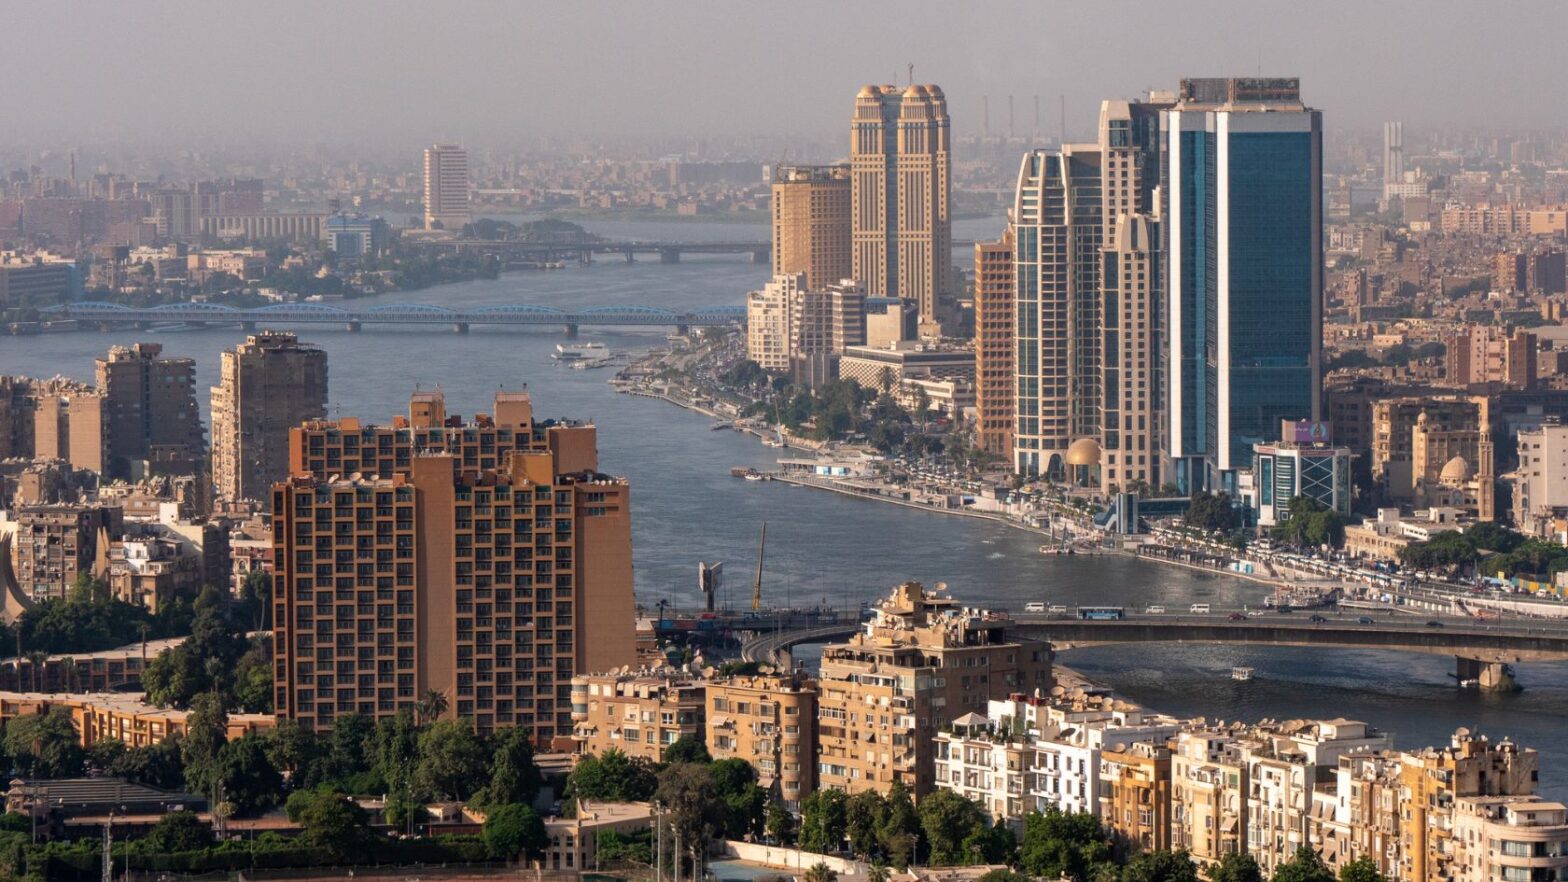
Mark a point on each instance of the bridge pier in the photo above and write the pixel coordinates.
(460, 328)
(682, 330)
(1487, 676)
(761, 256)
(353, 327)
(669, 255)
(571, 332)
(630, 256)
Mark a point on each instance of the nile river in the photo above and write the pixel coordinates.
(828, 548)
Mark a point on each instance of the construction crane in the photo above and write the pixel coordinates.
(756, 590)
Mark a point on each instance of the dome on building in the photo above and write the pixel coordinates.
(1084, 452)
(1456, 471)
(934, 90)
(917, 92)
(872, 91)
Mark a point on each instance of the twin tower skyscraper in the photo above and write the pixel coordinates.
(1164, 295)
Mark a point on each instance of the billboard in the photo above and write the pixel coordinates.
(1307, 432)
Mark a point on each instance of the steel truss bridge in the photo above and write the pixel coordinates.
(460, 320)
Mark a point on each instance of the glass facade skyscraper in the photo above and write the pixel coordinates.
(1241, 194)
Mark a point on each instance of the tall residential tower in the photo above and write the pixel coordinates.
(811, 223)
(446, 187)
(902, 197)
(267, 385)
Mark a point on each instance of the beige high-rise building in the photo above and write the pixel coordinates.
(69, 423)
(902, 197)
(489, 561)
(811, 223)
(1433, 780)
(446, 188)
(267, 385)
(787, 321)
(921, 663)
(770, 721)
(1135, 801)
(995, 339)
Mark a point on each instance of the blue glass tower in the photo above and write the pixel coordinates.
(1241, 195)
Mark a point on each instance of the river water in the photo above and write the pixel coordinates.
(832, 549)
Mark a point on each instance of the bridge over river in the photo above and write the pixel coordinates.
(1485, 650)
(415, 314)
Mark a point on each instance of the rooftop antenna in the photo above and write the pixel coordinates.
(911, 73)
(1063, 99)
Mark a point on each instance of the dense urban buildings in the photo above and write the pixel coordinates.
(446, 188)
(1241, 208)
(812, 223)
(901, 186)
(790, 325)
(922, 661)
(267, 385)
(489, 561)
(640, 713)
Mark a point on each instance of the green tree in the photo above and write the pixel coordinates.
(252, 684)
(1236, 867)
(824, 821)
(995, 844)
(780, 824)
(156, 765)
(331, 820)
(901, 827)
(1304, 866)
(395, 750)
(1362, 869)
(206, 732)
(1160, 866)
(514, 829)
(1212, 511)
(687, 749)
(821, 872)
(514, 776)
(178, 831)
(1058, 843)
(864, 815)
(1005, 876)
(251, 784)
(613, 776)
(431, 706)
(296, 752)
(45, 745)
(947, 821)
(453, 762)
(694, 809)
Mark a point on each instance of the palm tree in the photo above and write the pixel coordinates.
(877, 873)
(885, 379)
(432, 705)
(38, 659)
(821, 872)
(68, 665)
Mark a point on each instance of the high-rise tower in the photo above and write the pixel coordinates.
(1393, 154)
(446, 187)
(150, 404)
(1241, 191)
(811, 223)
(901, 187)
(267, 385)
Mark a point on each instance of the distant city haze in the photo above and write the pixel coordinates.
(473, 72)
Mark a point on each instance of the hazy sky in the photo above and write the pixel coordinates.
(297, 72)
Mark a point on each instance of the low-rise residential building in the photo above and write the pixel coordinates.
(1507, 838)
(1135, 800)
(640, 713)
(574, 841)
(770, 721)
(1541, 481)
(119, 716)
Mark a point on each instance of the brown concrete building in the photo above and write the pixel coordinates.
(811, 223)
(16, 417)
(921, 663)
(770, 721)
(268, 385)
(124, 718)
(489, 561)
(640, 713)
(995, 374)
(69, 424)
(1433, 779)
(154, 425)
(1135, 805)
(56, 543)
(1488, 354)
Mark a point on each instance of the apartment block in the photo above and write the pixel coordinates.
(267, 385)
(788, 322)
(69, 424)
(55, 544)
(1509, 837)
(489, 561)
(1432, 781)
(446, 188)
(640, 713)
(1487, 354)
(770, 721)
(921, 662)
(1135, 800)
(1541, 481)
(150, 407)
(109, 715)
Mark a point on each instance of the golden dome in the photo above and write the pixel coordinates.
(1084, 452)
(872, 91)
(934, 90)
(917, 92)
(1455, 471)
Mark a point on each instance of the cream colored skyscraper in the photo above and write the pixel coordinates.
(901, 187)
(446, 187)
(811, 223)
(267, 385)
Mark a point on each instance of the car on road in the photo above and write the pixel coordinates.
(1034, 607)
(1364, 620)
(1155, 611)
(1317, 620)
(1434, 624)
(1237, 617)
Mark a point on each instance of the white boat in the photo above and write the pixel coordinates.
(566, 352)
(1241, 674)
